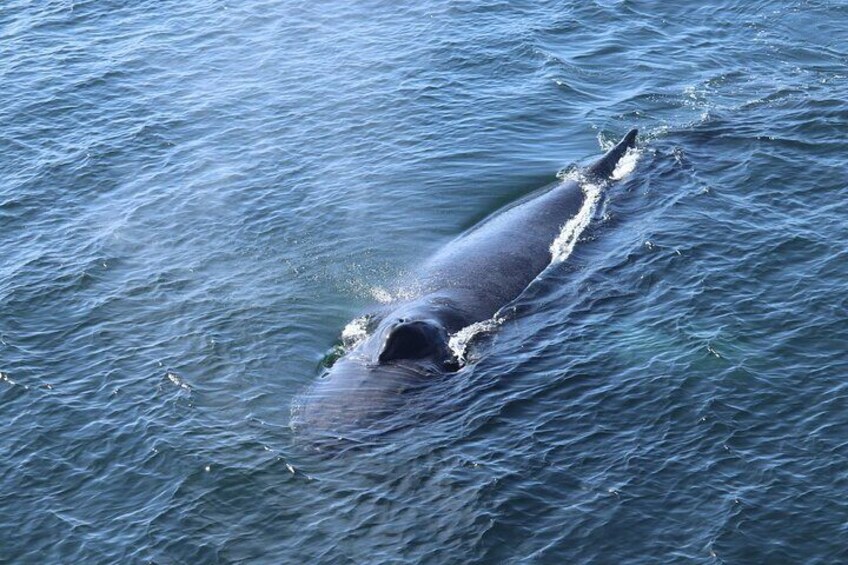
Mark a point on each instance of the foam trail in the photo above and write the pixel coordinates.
(626, 164)
(561, 248)
(564, 244)
(459, 341)
(355, 332)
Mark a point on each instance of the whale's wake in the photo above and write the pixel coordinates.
(354, 332)
(357, 330)
(562, 246)
(460, 341)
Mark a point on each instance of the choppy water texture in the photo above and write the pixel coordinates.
(196, 197)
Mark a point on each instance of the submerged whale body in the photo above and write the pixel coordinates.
(466, 282)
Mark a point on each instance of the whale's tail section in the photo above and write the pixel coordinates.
(606, 165)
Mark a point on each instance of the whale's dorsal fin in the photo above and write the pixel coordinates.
(411, 340)
(606, 165)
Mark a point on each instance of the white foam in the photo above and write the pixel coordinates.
(459, 341)
(177, 381)
(354, 332)
(564, 244)
(626, 164)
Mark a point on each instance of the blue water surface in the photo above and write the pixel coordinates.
(197, 196)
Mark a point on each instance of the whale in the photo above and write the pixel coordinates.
(407, 342)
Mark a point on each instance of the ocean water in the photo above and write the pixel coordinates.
(197, 197)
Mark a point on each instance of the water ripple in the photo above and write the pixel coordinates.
(196, 197)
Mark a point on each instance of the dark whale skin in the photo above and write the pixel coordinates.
(465, 282)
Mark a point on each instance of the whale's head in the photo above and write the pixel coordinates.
(377, 377)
